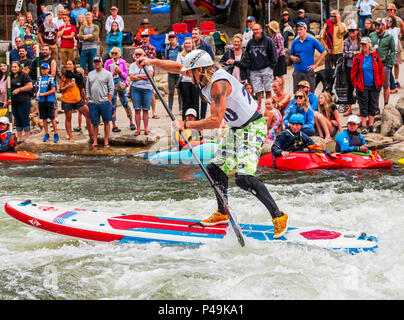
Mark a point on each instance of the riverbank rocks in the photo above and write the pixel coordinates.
(391, 120)
(399, 134)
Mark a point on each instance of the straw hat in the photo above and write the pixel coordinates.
(274, 26)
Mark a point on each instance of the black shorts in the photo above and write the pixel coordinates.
(66, 106)
(47, 110)
(368, 101)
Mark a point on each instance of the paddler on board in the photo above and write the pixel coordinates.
(7, 138)
(241, 145)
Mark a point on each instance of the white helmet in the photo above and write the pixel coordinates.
(353, 118)
(4, 120)
(197, 59)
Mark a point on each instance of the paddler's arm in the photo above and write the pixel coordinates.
(219, 91)
(167, 65)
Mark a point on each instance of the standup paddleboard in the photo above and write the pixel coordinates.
(128, 227)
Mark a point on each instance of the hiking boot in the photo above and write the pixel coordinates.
(216, 218)
(56, 138)
(46, 137)
(281, 225)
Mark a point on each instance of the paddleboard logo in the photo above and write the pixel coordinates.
(46, 208)
(34, 222)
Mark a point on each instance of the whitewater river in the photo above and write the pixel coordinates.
(35, 264)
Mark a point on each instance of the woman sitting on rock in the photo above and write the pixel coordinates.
(326, 118)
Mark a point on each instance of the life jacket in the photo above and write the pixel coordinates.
(298, 142)
(11, 143)
(355, 140)
(191, 136)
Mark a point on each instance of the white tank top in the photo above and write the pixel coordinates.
(240, 106)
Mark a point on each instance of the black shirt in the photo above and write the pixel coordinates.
(18, 82)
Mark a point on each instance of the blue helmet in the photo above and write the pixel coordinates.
(296, 118)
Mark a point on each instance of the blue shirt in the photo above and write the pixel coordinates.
(366, 7)
(43, 87)
(367, 66)
(76, 12)
(114, 40)
(308, 116)
(305, 50)
(343, 141)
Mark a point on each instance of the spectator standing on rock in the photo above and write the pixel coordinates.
(351, 48)
(188, 91)
(395, 32)
(384, 44)
(392, 12)
(117, 66)
(280, 67)
(89, 34)
(99, 93)
(262, 58)
(141, 91)
(365, 9)
(48, 34)
(286, 26)
(302, 54)
(114, 39)
(332, 37)
(202, 45)
(368, 76)
(114, 17)
(21, 85)
(151, 53)
(72, 87)
(247, 32)
(144, 27)
(66, 33)
(78, 10)
(171, 51)
(232, 60)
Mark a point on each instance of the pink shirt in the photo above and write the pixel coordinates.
(3, 89)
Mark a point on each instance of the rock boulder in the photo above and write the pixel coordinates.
(391, 120)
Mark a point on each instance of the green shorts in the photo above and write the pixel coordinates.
(241, 148)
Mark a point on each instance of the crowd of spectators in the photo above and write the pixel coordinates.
(70, 63)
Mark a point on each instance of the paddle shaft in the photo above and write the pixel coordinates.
(205, 172)
(384, 145)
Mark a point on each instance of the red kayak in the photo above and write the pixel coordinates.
(299, 161)
(362, 161)
(18, 156)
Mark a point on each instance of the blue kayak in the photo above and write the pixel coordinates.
(205, 152)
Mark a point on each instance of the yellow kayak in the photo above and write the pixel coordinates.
(401, 161)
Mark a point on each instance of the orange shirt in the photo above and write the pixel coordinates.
(71, 95)
(141, 29)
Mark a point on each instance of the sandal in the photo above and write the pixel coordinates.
(155, 116)
(146, 132)
(137, 133)
(107, 146)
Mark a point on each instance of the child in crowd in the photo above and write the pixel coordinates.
(7, 138)
(46, 100)
(274, 119)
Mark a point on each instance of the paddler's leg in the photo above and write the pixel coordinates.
(218, 168)
(248, 150)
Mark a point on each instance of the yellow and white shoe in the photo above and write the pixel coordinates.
(215, 219)
(281, 225)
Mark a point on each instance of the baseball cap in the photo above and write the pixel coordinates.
(300, 11)
(191, 112)
(145, 33)
(250, 18)
(366, 40)
(381, 21)
(285, 12)
(354, 118)
(97, 59)
(303, 83)
(172, 34)
(113, 8)
(45, 65)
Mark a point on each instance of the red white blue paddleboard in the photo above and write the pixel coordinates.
(126, 227)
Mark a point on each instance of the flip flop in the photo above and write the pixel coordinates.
(107, 146)
(156, 117)
(146, 132)
(137, 133)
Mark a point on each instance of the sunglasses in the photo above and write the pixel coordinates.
(114, 53)
(138, 54)
(389, 9)
(378, 24)
(144, 36)
(299, 97)
(333, 16)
